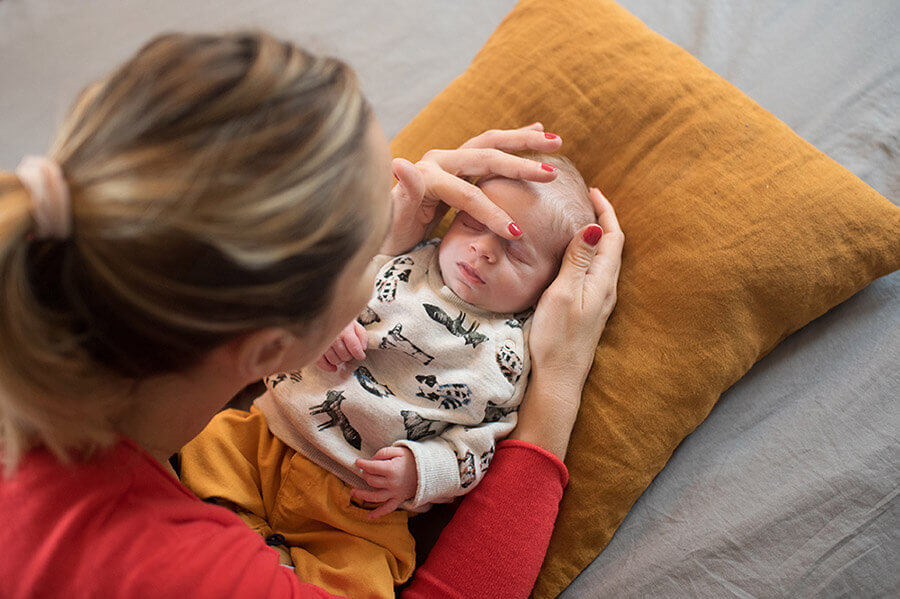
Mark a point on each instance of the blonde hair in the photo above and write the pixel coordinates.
(568, 195)
(218, 186)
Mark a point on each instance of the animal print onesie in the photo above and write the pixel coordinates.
(441, 377)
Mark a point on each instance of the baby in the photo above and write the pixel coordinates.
(408, 403)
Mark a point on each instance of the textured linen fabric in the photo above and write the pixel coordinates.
(738, 232)
(441, 377)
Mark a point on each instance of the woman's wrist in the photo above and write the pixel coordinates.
(548, 412)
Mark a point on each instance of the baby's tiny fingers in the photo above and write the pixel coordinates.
(354, 346)
(340, 348)
(375, 481)
(376, 467)
(372, 495)
(326, 365)
(385, 508)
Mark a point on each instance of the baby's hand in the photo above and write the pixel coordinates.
(350, 344)
(392, 474)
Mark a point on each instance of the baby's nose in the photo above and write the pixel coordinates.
(486, 246)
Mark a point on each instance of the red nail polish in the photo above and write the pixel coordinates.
(593, 234)
(514, 229)
(551, 135)
(548, 167)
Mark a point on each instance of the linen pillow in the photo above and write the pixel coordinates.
(738, 233)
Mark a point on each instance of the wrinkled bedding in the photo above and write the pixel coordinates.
(789, 488)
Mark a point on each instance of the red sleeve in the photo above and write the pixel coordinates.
(495, 544)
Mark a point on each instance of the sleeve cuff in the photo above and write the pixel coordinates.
(539, 453)
(437, 470)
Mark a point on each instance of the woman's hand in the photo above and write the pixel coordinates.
(426, 189)
(566, 328)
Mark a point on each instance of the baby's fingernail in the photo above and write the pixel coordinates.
(514, 229)
(593, 234)
(551, 135)
(548, 167)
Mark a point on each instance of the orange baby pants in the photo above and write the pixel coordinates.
(332, 543)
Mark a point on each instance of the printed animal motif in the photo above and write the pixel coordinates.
(509, 362)
(416, 426)
(494, 413)
(367, 317)
(486, 458)
(331, 407)
(466, 469)
(456, 326)
(387, 283)
(274, 380)
(368, 382)
(450, 396)
(394, 340)
(519, 318)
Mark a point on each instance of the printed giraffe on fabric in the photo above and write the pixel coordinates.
(395, 340)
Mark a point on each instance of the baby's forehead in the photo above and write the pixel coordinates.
(534, 209)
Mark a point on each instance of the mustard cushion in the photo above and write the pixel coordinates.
(738, 233)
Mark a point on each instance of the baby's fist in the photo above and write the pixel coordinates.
(393, 476)
(349, 345)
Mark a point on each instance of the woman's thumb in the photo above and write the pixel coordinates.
(407, 175)
(582, 249)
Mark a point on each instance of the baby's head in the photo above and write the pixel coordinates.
(495, 274)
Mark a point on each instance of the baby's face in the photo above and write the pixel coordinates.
(493, 273)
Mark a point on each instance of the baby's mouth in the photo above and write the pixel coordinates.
(469, 273)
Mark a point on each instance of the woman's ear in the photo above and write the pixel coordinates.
(262, 353)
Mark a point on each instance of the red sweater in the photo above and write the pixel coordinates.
(119, 525)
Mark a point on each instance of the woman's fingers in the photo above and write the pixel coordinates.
(608, 261)
(462, 195)
(530, 137)
(475, 162)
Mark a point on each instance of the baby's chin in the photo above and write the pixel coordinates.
(470, 296)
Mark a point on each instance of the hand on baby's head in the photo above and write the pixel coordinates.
(506, 276)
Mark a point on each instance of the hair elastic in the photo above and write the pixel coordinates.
(51, 205)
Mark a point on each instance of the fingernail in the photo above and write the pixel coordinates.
(535, 123)
(548, 167)
(593, 234)
(514, 229)
(551, 135)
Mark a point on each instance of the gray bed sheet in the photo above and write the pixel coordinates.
(789, 488)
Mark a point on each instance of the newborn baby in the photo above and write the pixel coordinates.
(442, 353)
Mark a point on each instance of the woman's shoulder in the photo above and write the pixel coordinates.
(118, 521)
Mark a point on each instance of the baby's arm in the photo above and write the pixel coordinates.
(454, 462)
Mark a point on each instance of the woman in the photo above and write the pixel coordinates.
(208, 218)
